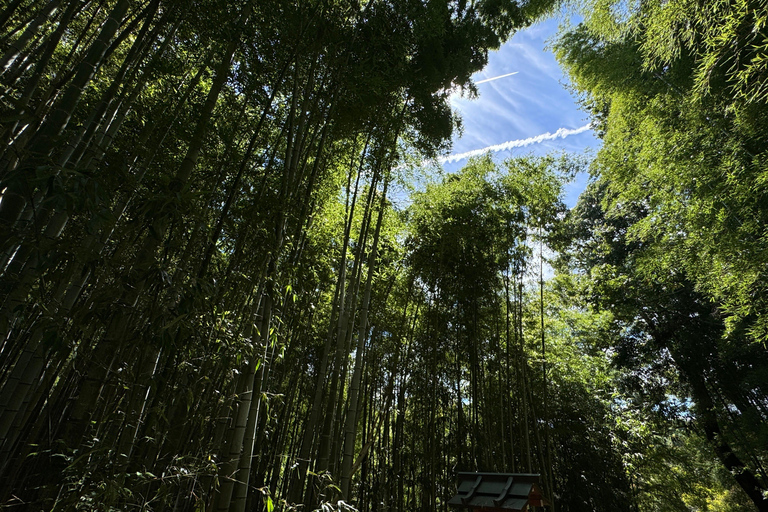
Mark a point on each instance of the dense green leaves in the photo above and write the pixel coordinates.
(687, 150)
(671, 231)
(196, 237)
(209, 301)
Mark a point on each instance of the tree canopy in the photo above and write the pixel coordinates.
(210, 301)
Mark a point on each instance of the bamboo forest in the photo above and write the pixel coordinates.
(233, 276)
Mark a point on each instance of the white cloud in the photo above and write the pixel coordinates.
(495, 78)
(561, 133)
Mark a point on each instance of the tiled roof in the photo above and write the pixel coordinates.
(497, 491)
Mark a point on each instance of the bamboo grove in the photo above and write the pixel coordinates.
(220, 290)
(197, 235)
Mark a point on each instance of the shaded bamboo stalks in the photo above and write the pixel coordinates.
(223, 71)
(16, 388)
(253, 313)
(245, 459)
(236, 500)
(334, 401)
(141, 162)
(41, 65)
(90, 128)
(547, 444)
(43, 142)
(474, 376)
(64, 299)
(308, 204)
(138, 404)
(523, 380)
(101, 367)
(237, 431)
(338, 415)
(375, 431)
(47, 379)
(295, 168)
(96, 136)
(200, 236)
(30, 431)
(234, 496)
(310, 439)
(19, 390)
(19, 45)
(431, 405)
(235, 187)
(500, 395)
(142, 154)
(402, 386)
(33, 120)
(176, 439)
(15, 210)
(142, 44)
(10, 10)
(245, 418)
(272, 470)
(28, 270)
(350, 428)
(24, 379)
(84, 37)
(461, 429)
(299, 476)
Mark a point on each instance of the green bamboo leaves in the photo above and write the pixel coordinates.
(169, 253)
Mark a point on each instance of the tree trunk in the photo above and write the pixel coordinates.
(350, 429)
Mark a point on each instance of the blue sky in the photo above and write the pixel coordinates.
(531, 102)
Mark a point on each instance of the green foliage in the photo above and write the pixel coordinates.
(188, 212)
(670, 346)
(473, 249)
(683, 141)
(168, 173)
(669, 234)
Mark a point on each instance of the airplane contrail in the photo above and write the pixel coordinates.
(561, 133)
(496, 77)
